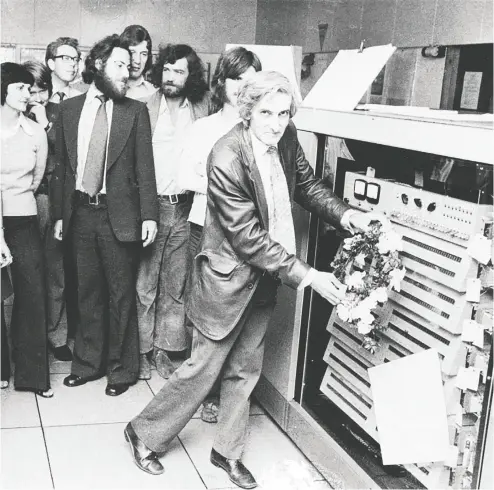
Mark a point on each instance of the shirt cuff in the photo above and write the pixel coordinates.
(307, 280)
(345, 219)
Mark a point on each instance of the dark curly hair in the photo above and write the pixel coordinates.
(102, 50)
(13, 73)
(231, 64)
(41, 74)
(134, 35)
(195, 86)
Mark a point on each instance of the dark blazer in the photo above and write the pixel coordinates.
(130, 177)
(236, 248)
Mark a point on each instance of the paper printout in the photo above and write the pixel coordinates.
(410, 409)
(347, 78)
(471, 90)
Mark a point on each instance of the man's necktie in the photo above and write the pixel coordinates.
(61, 96)
(280, 213)
(92, 180)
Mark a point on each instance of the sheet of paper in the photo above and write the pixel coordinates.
(459, 415)
(452, 459)
(468, 378)
(410, 409)
(473, 332)
(347, 78)
(473, 290)
(285, 59)
(480, 248)
(471, 90)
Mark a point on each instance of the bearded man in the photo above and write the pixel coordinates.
(104, 197)
(183, 97)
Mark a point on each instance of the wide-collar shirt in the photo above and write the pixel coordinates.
(24, 151)
(141, 90)
(167, 144)
(86, 123)
(198, 143)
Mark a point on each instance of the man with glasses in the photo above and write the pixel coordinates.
(62, 58)
(140, 46)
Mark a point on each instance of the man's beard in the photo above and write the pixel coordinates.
(172, 91)
(107, 86)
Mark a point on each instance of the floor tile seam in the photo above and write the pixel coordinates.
(85, 425)
(21, 427)
(45, 443)
(192, 461)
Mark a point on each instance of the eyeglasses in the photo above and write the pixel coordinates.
(68, 59)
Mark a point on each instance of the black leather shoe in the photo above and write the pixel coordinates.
(62, 353)
(235, 469)
(116, 389)
(73, 380)
(144, 458)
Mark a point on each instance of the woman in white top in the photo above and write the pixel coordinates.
(234, 66)
(24, 152)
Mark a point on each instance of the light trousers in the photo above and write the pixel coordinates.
(161, 282)
(238, 358)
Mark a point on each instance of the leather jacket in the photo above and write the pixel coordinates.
(236, 249)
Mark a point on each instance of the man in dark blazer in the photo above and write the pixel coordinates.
(104, 196)
(255, 173)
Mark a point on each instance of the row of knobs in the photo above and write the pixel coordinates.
(414, 220)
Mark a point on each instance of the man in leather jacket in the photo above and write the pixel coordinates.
(255, 172)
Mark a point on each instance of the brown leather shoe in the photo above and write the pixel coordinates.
(144, 458)
(235, 470)
(209, 412)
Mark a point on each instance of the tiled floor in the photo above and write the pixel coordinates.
(75, 440)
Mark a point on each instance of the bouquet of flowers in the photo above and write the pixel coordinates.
(369, 265)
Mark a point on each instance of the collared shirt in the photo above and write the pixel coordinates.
(198, 143)
(167, 144)
(24, 151)
(86, 123)
(141, 90)
(263, 162)
(67, 90)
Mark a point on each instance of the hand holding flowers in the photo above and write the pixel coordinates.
(374, 253)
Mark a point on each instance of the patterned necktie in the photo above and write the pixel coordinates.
(280, 212)
(92, 180)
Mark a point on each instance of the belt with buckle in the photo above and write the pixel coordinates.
(83, 198)
(175, 198)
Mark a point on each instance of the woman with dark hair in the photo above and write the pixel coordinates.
(45, 113)
(234, 66)
(24, 151)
